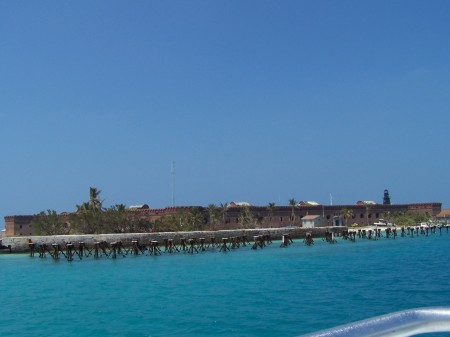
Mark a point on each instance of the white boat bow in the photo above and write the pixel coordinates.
(403, 323)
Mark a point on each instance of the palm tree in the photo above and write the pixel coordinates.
(292, 203)
(368, 207)
(246, 218)
(84, 207)
(346, 213)
(119, 207)
(88, 218)
(116, 218)
(213, 215)
(387, 216)
(223, 208)
(94, 202)
(195, 219)
(50, 223)
(270, 208)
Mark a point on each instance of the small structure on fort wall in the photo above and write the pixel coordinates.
(307, 203)
(443, 216)
(138, 207)
(311, 221)
(239, 204)
(366, 203)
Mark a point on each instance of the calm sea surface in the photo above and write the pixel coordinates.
(270, 292)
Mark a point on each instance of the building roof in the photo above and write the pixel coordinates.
(144, 206)
(308, 203)
(366, 202)
(238, 204)
(311, 217)
(445, 213)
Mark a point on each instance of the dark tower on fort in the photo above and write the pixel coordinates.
(386, 198)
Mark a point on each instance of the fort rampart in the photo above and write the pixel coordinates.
(280, 216)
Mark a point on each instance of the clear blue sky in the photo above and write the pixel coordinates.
(257, 101)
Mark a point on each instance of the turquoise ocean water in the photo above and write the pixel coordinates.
(270, 292)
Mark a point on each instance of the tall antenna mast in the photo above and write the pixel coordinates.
(172, 170)
(331, 200)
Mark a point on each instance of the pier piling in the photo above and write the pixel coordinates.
(285, 240)
(69, 251)
(154, 248)
(32, 248)
(42, 250)
(192, 248)
(202, 244)
(258, 242)
(56, 251)
(308, 240)
(224, 247)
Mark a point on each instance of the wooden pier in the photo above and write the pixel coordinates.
(197, 244)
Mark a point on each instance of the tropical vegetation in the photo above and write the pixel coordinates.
(407, 218)
(292, 203)
(191, 219)
(346, 213)
(91, 217)
(270, 209)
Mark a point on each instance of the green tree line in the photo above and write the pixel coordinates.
(401, 218)
(91, 218)
(406, 218)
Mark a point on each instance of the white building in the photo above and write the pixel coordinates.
(311, 221)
